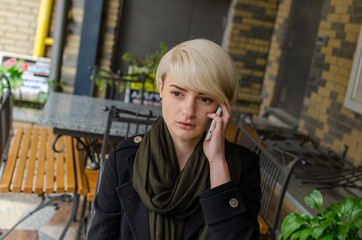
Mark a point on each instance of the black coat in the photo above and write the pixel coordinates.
(121, 214)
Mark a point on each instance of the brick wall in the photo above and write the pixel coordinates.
(324, 116)
(18, 22)
(249, 43)
(275, 53)
(18, 25)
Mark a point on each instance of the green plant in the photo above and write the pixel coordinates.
(149, 62)
(15, 75)
(338, 221)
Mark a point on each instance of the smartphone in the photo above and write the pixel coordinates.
(212, 126)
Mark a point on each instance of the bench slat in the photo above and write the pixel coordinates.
(92, 181)
(69, 165)
(20, 168)
(29, 176)
(60, 166)
(11, 162)
(49, 178)
(39, 183)
(82, 183)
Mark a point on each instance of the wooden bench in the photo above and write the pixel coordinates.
(29, 164)
(34, 167)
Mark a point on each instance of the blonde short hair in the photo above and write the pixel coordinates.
(202, 66)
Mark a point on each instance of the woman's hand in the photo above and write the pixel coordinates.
(214, 148)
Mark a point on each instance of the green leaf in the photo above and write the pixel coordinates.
(305, 233)
(342, 231)
(314, 200)
(318, 230)
(328, 236)
(290, 224)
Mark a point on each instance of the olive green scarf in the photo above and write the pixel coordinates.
(171, 195)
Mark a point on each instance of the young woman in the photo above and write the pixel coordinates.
(176, 184)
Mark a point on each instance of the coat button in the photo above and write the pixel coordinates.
(137, 139)
(234, 202)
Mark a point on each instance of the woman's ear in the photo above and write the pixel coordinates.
(160, 86)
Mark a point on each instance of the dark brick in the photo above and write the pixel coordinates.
(355, 19)
(349, 46)
(337, 26)
(339, 124)
(237, 19)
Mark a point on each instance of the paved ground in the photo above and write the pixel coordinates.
(46, 224)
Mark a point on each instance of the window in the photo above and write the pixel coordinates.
(353, 100)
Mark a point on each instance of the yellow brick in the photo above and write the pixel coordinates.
(346, 63)
(327, 76)
(324, 92)
(334, 43)
(359, 148)
(330, 59)
(352, 37)
(338, 146)
(341, 9)
(325, 128)
(344, 72)
(336, 2)
(356, 135)
(340, 89)
(347, 2)
(350, 142)
(326, 50)
(345, 18)
(327, 32)
(319, 134)
(327, 102)
(320, 108)
(323, 118)
(325, 25)
(316, 97)
(332, 17)
(356, 156)
(341, 80)
(340, 98)
(312, 113)
(352, 27)
(333, 68)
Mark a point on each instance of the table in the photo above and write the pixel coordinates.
(83, 116)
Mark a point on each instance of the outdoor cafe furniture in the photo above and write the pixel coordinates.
(28, 164)
(85, 119)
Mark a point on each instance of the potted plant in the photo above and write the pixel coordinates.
(148, 66)
(338, 221)
(15, 73)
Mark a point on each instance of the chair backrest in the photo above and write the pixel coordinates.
(275, 175)
(113, 82)
(6, 118)
(133, 122)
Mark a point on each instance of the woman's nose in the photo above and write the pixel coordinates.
(189, 108)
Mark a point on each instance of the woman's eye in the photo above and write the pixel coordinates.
(206, 100)
(176, 93)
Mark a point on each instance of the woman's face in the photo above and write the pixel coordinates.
(184, 110)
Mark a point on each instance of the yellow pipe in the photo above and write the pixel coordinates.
(43, 27)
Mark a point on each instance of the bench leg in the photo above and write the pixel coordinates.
(43, 204)
(82, 228)
(72, 215)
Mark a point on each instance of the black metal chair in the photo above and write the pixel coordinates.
(6, 119)
(114, 82)
(133, 124)
(275, 175)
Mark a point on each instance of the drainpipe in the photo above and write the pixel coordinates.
(59, 38)
(41, 39)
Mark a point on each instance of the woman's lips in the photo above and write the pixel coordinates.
(186, 125)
